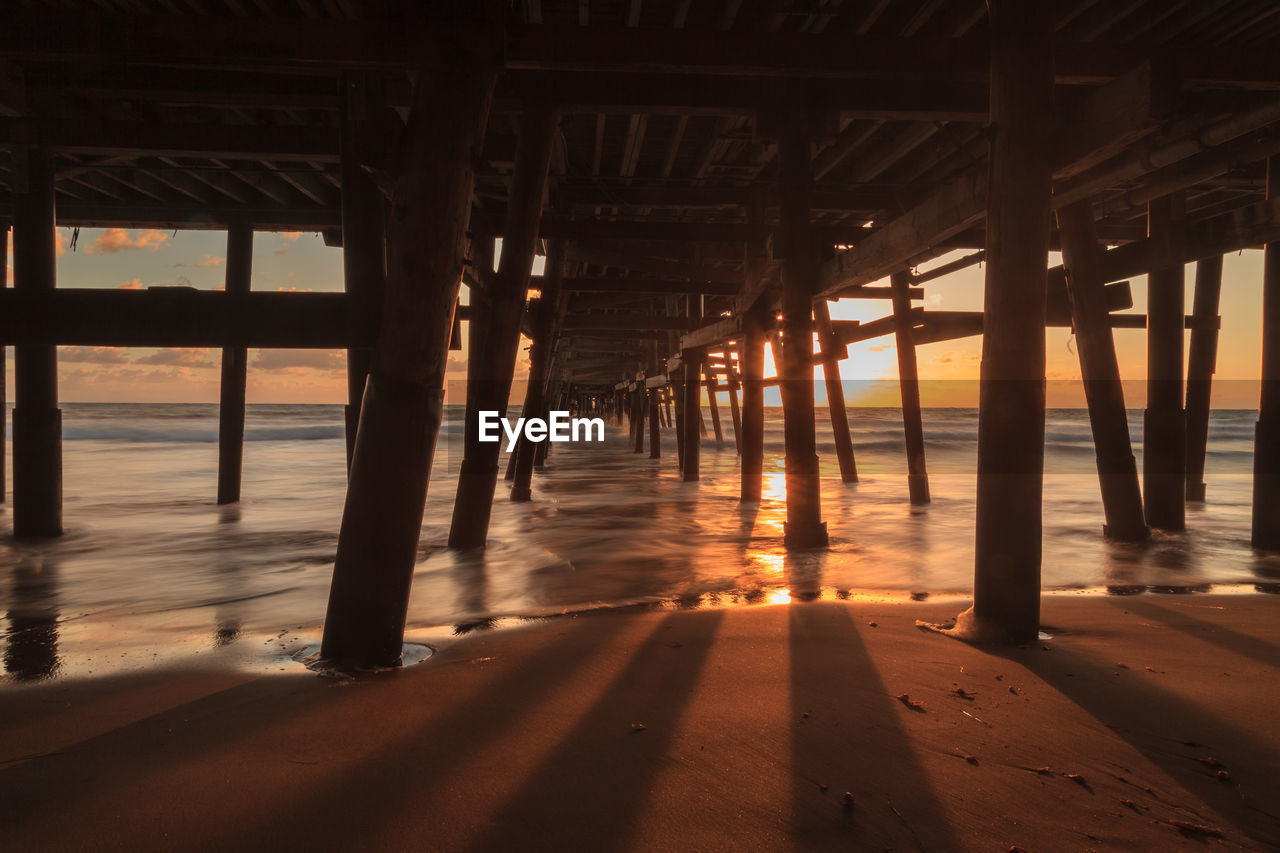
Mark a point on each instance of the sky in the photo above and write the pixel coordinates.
(292, 261)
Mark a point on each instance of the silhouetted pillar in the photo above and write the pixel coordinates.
(1266, 446)
(909, 384)
(234, 370)
(1164, 434)
(478, 476)
(403, 398)
(713, 387)
(363, 232)
(731, 380)
(692, 360)
(1202, 363)
(639, 406)
(535, 397)
(37, 420)
(4, 418)
(804, 526)
(1100, 370)
(655, 418)
(752, 356)
(1011, 398)
(831, 352)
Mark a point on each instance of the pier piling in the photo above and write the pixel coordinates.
(1164, 435)
(1202, 362)
(234, 371)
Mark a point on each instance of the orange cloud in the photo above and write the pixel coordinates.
(131, 284)
(291, 359)
(117, 240)
(179, 357)
(60, 242)
(209, 261)
(92, 355)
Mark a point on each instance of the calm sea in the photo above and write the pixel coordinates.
(151, 570)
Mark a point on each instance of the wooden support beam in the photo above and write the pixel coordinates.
(403, 401)
(1266, 447)
(832, 352)
(804, 527)
(712, 404)
(234, 372)
(646, 286)
(1108, 418)
(691, 362)
(4, 420)
(909, 385)
(1201, 365)
(735, 411)
(37, 420)
(364, 267)
(1007, 550)
(713, 334)
(541, 346)
(631, 322)
(655, 427)
(640, 263)
(1164, 436)
(477, 478)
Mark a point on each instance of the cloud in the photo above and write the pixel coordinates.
(880, 348)
(179, 357)
(92, 355)
(60, 242)
(131, 284)
(117, 240)
(287, 239)
(286, 359)
(210, 261)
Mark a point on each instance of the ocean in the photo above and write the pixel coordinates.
(151, 571)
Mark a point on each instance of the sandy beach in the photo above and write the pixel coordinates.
(1143, 722)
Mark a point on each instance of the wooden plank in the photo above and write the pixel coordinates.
(137, 139)
(624, 322)
(647, 286)
(713, 333)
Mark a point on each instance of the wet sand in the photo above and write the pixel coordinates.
(688, 729)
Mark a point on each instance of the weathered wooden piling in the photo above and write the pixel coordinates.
(363, 228)
(752, 351)
(1100, 370)
(713, 387)
(909, 385)
(535, 399)
(653, 394)
(4, 391)
(234, 370)
(1266, 445)
(734, 411)
(37, 420)
(403, 399)
(1164, 435)
(478, 476)
(1202, 360)
(832, 352)
(639, 407)
(1007, 549)
(691, 418)
(804, 526)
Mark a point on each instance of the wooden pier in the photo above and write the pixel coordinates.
(705, 180)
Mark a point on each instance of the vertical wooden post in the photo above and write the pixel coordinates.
(1164, 435)
(1011, 398)
(1202, 362)
(804, 527)
(37, 420)
(692, 359)
(713, 387)
(734, 411)
(909, 384)
(478, 476)
(752, 353)
(403, 398)
(655, 425)
(535, 397)
(4, 410)
(832, 352)
(639, 406)
(234, 370)
(363, 234)
(1266, 445)
(1117, 470)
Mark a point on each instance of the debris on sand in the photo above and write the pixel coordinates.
(1196, 828)
(964, 694)
(848, 800)
(1210, 761)
(1223, 776)
(972, 759)
(637, 727)
(1077, 778)
(915, 706)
